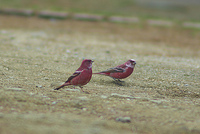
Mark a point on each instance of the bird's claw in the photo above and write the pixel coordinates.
(118, 82)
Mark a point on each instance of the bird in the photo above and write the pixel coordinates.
(81, 76)
(120, 72)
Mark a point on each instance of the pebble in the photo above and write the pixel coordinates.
(156, 101)
(122, 96)
(46, 78)
(124, 119)
(71, 89)
(31, 94)
(104, 97)
(40, 86)
(54, 102)
(16, 89)
(84, 109)
(83, 98)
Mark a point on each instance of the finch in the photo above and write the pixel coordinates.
(120, 72)
(81, 76)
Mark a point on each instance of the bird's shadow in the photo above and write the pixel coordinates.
(113, 83)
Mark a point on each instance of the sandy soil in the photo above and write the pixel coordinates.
(36, 55)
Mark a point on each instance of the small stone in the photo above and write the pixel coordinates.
(54, 102)
(39, 86)
(46, 78)
(104, 97)
(84, 109)
(16, 89)
(124, 119)
(159, 101)
(121, 96)
(71, 89)
(83, 98)
(156, 101)
(31, 93)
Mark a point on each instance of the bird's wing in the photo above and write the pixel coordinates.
(75, 74)
(122, 66)
(114, 70)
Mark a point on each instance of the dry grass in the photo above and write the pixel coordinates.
(37, 55)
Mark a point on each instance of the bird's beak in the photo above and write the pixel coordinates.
(92, 61)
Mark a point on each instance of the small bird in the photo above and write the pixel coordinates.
(120, 72)
(81, 76)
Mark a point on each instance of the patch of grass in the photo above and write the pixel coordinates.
(144, 9)
(164, 85)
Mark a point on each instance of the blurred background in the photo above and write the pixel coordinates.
(165, 9)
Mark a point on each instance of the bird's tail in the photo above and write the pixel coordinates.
(99, 73)
(65, 84)
(102, 73)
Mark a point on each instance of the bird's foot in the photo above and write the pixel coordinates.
(119, 82)
(84, 91)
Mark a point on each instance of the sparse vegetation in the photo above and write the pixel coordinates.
(163, 93)
(156, 9)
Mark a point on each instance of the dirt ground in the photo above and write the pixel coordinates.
(162, 95)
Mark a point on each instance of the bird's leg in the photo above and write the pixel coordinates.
(114, 78)
(81, 88)
(118, 82)
(84, 91)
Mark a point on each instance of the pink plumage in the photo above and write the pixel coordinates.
(120, 72)
(81, 76)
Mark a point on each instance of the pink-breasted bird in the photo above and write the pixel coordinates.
(81, 76)
(120, 72)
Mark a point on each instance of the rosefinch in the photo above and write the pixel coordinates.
(81, 76)
(120, 72)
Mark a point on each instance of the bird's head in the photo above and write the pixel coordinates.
(87, 63)
(132, 61)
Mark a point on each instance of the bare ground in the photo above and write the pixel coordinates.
(36, 55)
